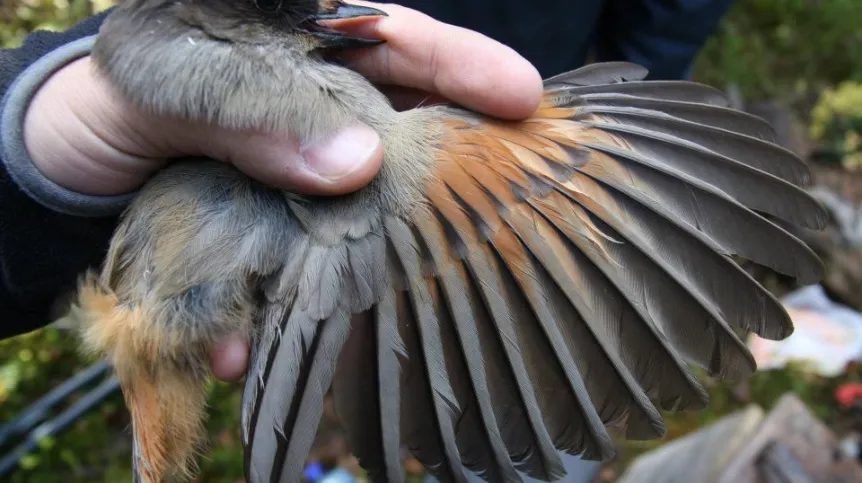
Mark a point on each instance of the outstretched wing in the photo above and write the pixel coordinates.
(563, 274)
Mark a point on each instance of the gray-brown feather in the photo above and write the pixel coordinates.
(530, 443)
(485, 350)
(367, 392)
(168, 255)
(247, 76)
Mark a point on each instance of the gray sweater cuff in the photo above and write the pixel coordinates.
(13, 151)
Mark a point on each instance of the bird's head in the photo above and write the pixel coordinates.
(205, 60)
(293, 24)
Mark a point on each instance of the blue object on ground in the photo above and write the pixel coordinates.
(579, 471)
(314, 471)
(338, 475)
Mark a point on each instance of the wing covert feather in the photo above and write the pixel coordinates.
(555, 283)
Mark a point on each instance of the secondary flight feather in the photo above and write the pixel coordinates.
(502, 292)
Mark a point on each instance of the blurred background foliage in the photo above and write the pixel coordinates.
(785, 48)
(18, 17)
(801, 53)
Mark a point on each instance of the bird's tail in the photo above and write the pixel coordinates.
(167, 403)
(168, 412)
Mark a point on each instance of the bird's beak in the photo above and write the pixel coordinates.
(333, 39)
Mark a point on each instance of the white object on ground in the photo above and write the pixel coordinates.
(827, 335)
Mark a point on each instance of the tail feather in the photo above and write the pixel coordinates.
(167, 406)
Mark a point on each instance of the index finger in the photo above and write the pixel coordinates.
(459, 64)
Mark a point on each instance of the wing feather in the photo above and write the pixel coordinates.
(366, 391)
(720, 117)
(427, 369)
(688, 197)
(290, 408)
(603, 72)
(660, 298)
(555, 282)
(539, 458)
(486, 452)
(660, 90)
(641, 190)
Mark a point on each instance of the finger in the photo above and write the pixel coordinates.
(338, 164)
(229, 360)
(459, 64)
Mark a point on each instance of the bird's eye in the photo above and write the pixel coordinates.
(268, 6)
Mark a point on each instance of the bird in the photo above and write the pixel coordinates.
(501, 293)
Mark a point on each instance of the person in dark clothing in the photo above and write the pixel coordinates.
(558, 35)
(72, 153)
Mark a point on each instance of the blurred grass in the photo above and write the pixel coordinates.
(790, 50)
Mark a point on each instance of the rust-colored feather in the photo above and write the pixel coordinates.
(520, 288)
(167, 407)
(617, 251)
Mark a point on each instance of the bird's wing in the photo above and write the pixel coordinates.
(563, 274)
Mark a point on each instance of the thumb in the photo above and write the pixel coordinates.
(340, 163)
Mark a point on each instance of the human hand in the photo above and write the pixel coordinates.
(83, 136)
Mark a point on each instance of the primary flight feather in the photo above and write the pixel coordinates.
(501, 292)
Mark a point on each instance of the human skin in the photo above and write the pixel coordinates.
(83, 136)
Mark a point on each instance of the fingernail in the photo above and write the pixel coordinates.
(338, 156)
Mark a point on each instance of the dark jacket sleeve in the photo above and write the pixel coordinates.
(42, 251)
